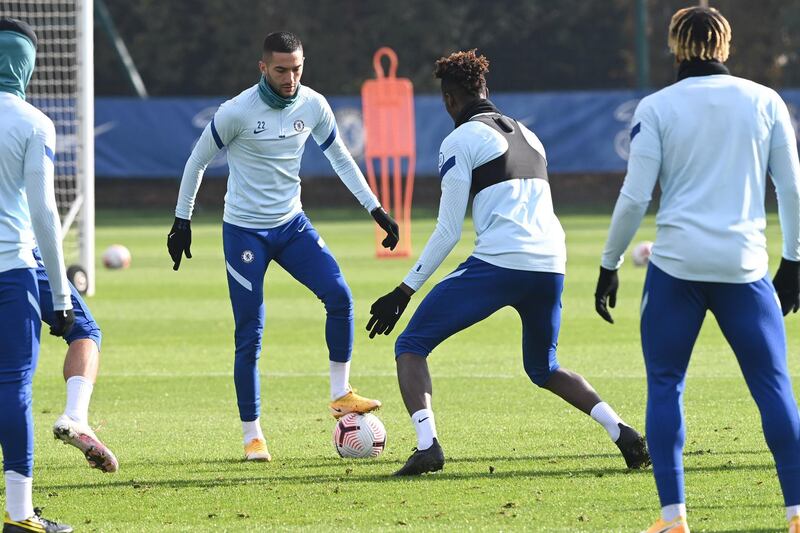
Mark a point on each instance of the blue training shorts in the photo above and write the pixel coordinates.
(474, 291)
(85, 326)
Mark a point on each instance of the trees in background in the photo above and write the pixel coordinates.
(211, 47)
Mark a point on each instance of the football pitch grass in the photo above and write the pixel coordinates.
(518, 458)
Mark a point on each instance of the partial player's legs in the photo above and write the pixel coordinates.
(82, 360)
(304, 255)
(751, 320)
(19, 350)
(479, 290)
(72, 427)
(540, 311)
(416, 389)
(80, 373)
(672, 314)
(247, 256)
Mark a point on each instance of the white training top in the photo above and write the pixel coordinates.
(710, 142)
(265, 147)
(27, 198)
(514, 221)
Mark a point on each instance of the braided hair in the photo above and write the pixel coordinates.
(465, 70)
(699, 33)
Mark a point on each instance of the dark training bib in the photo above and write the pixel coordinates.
(520, 161)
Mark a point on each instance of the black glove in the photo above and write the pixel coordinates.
(607, 285)
(787, 285)
(386, 312)
(62, 323)
(179, 241)
(387, 223)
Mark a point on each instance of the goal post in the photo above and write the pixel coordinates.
(62, 87)
(85, 115)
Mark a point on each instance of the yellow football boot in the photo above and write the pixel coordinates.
(256, 450)
(352, 403)
(794, 524)
(34, 524)
(673, 526)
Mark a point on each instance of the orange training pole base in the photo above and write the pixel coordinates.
(389, 144)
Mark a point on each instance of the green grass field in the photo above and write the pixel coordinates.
(518, 457)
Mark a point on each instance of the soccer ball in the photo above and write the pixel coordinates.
(77, 276)
(116, 256)
(358, 436)
(641, 253)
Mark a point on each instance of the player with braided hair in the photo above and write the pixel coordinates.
(710, 140)
(518, 261)
(699, 34)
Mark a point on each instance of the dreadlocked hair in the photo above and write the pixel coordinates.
(464, 69)
(699, 33)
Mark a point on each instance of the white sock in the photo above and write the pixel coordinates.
(19, 496)
(671, 512)
(425, 426)
(252, 430)
(340, 379)
(792, 511)
(79, 393)
(608, 418)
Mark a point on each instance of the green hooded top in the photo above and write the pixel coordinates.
(17, 60)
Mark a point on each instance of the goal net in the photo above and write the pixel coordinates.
(63, 88)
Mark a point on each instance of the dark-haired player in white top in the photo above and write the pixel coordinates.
(265, 129)
(518, 261)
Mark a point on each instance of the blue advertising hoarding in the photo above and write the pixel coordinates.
(583, 132)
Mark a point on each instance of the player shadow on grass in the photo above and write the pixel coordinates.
(321, 462)
(150, 463)
(333, 461)
(268, 477)
(229, 463)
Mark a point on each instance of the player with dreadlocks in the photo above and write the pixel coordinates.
(710, 140)
(518, 261)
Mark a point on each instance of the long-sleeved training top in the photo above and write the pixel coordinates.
(265, 147)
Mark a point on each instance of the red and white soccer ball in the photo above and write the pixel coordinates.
(116, 256)
(358, 436)
(640, 255)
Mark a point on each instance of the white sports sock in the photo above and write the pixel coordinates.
(792, 511)
(79, 393)
(608, 418)
(340, 379)
(252, 430)
(425, 426)
(19, 496)
(671, 512)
